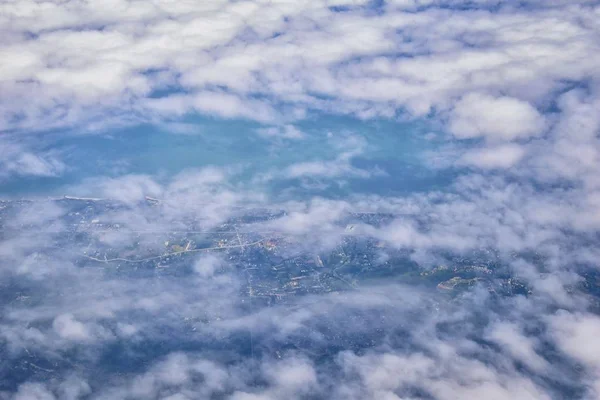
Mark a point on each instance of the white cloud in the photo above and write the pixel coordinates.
(129, 189)
(82, 59)
(74, 388)
(495, 118)
(67, 327)
(33, 391)
(284, 132)
(489, 75)
(501, 156)
(346, 148)
(519, 346)
(20, 161)
(207, 265)
(446, 376)
(575, 334)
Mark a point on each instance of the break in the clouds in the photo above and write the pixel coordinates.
(299, 199)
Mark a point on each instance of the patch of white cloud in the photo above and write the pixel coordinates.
(283, 132)
(18, 160)
(207, 265)
(496, 119)
(78, 57)
(67, 327)
(491, 76)
(493, 157)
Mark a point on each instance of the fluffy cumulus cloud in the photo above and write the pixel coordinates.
(503, 118)
(243, 58)
(419, 220)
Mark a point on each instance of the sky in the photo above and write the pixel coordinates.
(474, 124)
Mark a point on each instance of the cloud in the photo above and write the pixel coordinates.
(20, 161)
(574, 333)
(128, 189)
(99, 301)
(346, 147)
(67, 327)
(502, 118)
(33, 391)
(521, 347)
(251, 56)
(501, 156)
(284, 132)
(206, 266)
(340, 167)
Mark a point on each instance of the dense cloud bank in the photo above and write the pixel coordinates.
(73, 328)
(106, 297)
(91, 63)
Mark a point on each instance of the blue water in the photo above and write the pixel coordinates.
(394, 149)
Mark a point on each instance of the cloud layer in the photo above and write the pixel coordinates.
(222, 282)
